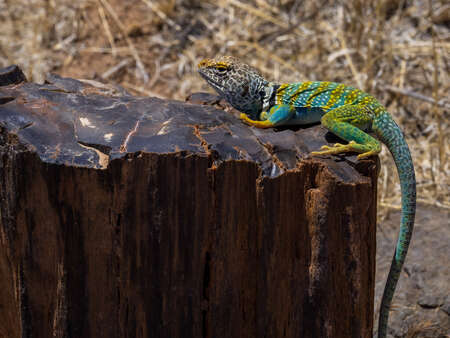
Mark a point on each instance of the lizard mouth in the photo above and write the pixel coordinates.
(217, 87)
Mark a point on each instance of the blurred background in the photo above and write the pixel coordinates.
(398, 50)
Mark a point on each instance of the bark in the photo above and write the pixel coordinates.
(140, 217)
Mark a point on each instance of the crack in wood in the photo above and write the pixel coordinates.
(124, 145)
(4, 100)
(29, 124)
(103, 159)
(163, 129)
(276, 161)
(203, 142)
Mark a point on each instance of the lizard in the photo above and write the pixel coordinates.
(345, 111)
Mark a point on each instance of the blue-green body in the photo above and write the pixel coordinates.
(345, 111)
(349, 113)
(311, 101)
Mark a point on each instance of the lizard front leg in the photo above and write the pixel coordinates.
(347, 123)
(276, 116)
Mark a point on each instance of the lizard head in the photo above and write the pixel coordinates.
(238, 83)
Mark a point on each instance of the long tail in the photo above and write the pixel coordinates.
(391, 135)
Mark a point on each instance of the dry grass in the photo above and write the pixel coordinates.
(396, 49)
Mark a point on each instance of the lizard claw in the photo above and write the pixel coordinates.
(368, 154)
(337, 148)
(258, 124)
(245, 119)
(332, 147)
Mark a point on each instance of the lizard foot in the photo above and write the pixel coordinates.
(258, 124)
(368, 154)
(337, 148)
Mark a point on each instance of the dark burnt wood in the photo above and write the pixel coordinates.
(125, 216)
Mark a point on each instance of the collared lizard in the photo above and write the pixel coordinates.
(347, 112)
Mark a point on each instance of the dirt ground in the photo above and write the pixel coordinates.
(421, 305)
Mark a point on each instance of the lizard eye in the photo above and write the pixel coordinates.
(221, 69)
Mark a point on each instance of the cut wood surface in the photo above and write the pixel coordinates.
(126, 216)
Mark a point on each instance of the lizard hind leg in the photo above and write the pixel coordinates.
(348, 122)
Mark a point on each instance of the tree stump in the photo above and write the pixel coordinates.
(127, 216)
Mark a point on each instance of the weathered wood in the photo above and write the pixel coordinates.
(11, 75)
(140, 217)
